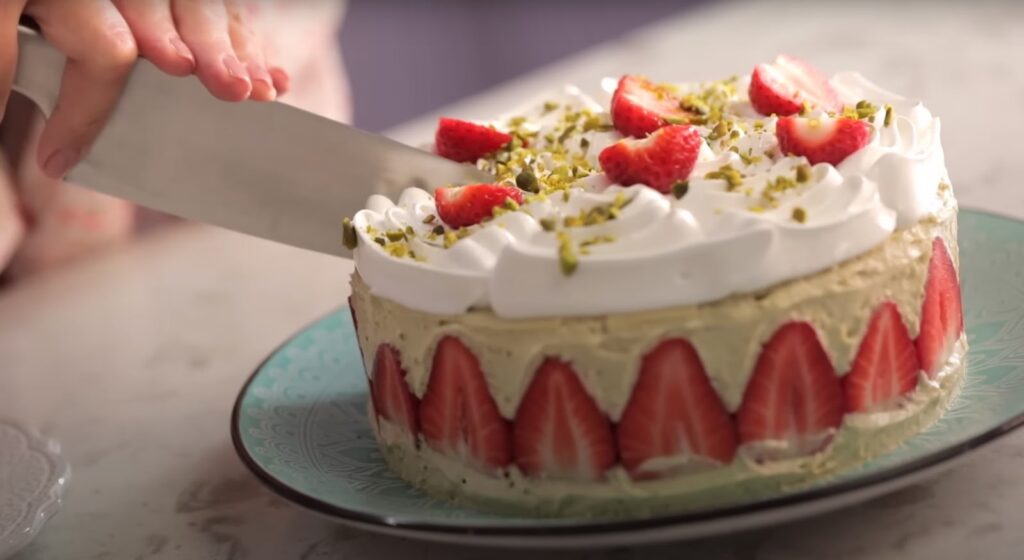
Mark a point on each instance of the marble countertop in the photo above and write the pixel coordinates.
(133, 359)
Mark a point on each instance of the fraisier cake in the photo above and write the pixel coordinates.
(691, 295)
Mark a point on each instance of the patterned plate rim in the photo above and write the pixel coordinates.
(582, 528)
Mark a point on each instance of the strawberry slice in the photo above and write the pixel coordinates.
(673, 410)
(458, 415)
(658, 161)
(392, 399)
(942, 317)
(465, 141)
(822, 140)
(794, 394)
(559, 432)
(885, 366)
(781, 88)
(640, 107)
(472, 204)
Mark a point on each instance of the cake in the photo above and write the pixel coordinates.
(692, 294)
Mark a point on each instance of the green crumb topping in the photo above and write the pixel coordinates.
(548, 224)
(348, 234)
(450, 239)
(805, 108)
(438, 230)
(567, 254)
(395, 235)
(803, 173)
(865, 109)
(728, 174)
(380, 241)
(757, 209)
(680, 188)
(721, 130)
(550, 106)
(799, 214)
(691, 102)
(586, 244)
(409, 232)
(510, 205)
(888, 115)
(429, 219)
(527, 181)
(584, 144)
(773, 189)
(748, 158)
(596, 122)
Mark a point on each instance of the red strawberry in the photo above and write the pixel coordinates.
(942, 317)
(559, 432)
(657, 161)
(392, 399)
(472, 204)
(673, 410)
(466, 141)
(782, 87)
(640, 107)
(822, 140)
(794, 394)
(458, 415)
(885, 366)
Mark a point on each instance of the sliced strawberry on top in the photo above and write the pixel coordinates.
(458, 415)
(559, 432)
(466, 141)
(782, 87)
(822, 140)
(392, 399)
(673, 410)
(942, 317)
(885, 366)
(794, 394)
(639, 107)
(469, 205)
(657, 161)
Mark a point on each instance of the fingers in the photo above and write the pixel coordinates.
(249, 50)
(9, 14)
(153, 26)
(101, 51)
(204, 27)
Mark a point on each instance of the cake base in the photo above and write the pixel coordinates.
(696, 485)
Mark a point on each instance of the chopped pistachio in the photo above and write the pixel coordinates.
(888, 115)
(348, 234)
(450, 239)
(865, 109)
(799, 214)
(584, 144)
(548, 224)
(567, 254)
(438, 230)
(566, 133)
(510, 205)
(380, 241)
(409, 232)
(731, 176)
(680, 188)
(395, 235)
(527, 181)
(803, 173)
(550, 106)
(429, 219)
(398, 250)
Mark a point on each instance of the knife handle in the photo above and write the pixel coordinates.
(39, 70)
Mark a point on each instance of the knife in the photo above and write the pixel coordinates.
(265, 169)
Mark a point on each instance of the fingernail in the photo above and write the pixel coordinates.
(60, 162)
(259, 74)
(182, 49)
(235, 68)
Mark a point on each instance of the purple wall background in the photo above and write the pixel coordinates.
(408, 57)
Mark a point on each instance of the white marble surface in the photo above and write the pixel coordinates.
(133, 359)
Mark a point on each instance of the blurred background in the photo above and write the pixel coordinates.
(406, 57)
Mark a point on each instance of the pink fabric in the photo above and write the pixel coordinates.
(45, 222)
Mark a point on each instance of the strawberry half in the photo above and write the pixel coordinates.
(885, 366)
(559, 432)
(458, 415)
(465, 141)
(781, 88)
(657, 161)
(392, 399)
(942, 317)
(472, 204)
(673, 410)
(794, 394)
(640, 107)
(822, 140)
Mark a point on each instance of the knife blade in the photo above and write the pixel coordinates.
(265, 169)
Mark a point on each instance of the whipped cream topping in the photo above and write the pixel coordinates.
(717, 240)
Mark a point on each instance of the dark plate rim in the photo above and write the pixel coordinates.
(584, 528)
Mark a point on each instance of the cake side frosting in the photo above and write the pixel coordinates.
(725, 236)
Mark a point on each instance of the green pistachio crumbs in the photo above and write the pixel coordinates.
(348, 234)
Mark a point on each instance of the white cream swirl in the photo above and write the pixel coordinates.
(713, 242)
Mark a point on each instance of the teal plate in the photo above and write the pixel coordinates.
(300, 424)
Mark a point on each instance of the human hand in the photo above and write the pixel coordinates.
(215, 39)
